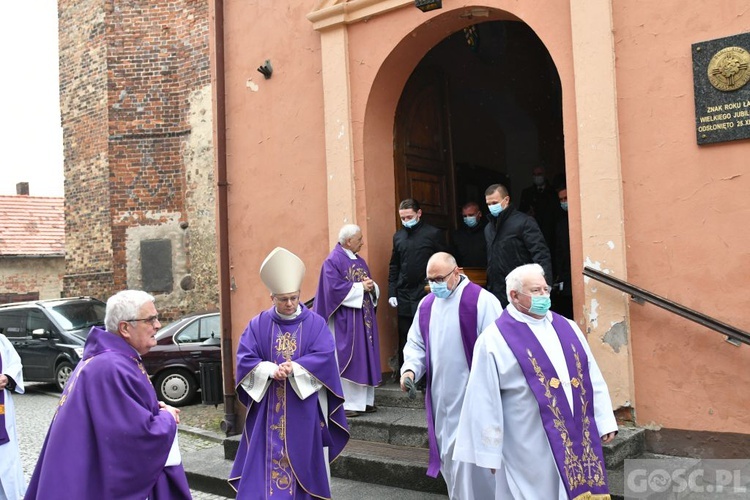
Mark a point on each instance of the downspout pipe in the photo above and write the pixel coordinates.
(229, 425)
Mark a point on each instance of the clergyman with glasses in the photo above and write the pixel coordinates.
(536, 409)
(288, 379)
(110, 437)
(439, 346)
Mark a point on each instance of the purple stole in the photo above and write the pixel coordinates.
(467, 318)
(573, 438)
(3, 431)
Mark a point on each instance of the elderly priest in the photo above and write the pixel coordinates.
(536, 409)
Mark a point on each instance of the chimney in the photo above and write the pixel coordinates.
(22, 189)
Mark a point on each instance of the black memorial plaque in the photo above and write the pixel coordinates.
(721, 76)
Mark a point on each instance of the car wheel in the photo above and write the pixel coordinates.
(62, 374)
(175, 387)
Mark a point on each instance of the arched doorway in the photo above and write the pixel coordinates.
(482, 106)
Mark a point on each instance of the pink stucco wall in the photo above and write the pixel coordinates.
(686, 211)
(685, 206)
(275, 147)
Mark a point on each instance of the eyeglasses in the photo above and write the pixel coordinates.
(151, 319)
(440, 279)
(292, 299)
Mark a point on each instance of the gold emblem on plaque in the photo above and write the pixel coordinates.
(554, 382)
(728, 69)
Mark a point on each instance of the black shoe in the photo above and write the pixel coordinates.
(371, 409)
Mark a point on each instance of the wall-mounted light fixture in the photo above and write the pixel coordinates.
(266, 69)
(428, 5)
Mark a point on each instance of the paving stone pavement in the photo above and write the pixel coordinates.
(34, 411)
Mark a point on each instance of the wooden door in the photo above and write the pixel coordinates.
(423, 156)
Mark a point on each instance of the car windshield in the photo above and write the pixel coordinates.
(79, 315)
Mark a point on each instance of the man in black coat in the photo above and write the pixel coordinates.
(513, 239)
(469, 246)
(540, 201)
(562, 293)
(413, 245)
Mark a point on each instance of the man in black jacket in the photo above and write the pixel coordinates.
(412, 248)
(513, 239)
(469, 246)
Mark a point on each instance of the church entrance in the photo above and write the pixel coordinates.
(483, 106)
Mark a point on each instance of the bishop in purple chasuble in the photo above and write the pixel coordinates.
(355, 329)
(108, 437)
(282, 452)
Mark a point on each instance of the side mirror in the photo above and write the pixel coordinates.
(40, 333)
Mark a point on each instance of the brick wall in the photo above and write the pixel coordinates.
(153, 174)
(83, 107)
(30, 278)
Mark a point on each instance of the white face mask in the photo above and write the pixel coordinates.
(538, 180)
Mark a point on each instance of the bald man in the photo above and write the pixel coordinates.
(439, 346)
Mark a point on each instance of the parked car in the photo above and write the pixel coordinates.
(174, 363)
(49, 334)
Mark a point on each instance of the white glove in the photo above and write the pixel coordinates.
(393, 301)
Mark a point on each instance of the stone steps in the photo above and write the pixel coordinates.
(389, 448)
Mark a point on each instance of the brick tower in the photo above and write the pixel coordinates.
(135, 98)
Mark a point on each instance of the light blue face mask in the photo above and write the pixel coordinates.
(495, 209)
(564, 205)
(408, 224)
(540, 304)
(440, 290)
(471, 221)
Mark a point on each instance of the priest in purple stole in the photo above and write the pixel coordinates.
(288, 379)
(439, 346)
(346, 298)
(537, 409)
(110, 437)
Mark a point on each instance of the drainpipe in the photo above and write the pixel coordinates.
(229, 425)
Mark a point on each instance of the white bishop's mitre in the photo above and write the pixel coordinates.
(282, 271)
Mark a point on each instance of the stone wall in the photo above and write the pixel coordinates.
(154, 180)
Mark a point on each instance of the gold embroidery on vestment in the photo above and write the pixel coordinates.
(585, 470)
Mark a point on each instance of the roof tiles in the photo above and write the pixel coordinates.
(32, 226)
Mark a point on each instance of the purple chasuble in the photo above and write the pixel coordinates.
(4, 438)
(281, 450)
(108, 438)
(355, 330)
(573, 437)
(467, 317)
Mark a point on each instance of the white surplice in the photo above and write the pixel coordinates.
(12, 482)
(450, 373)
(500, 425)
